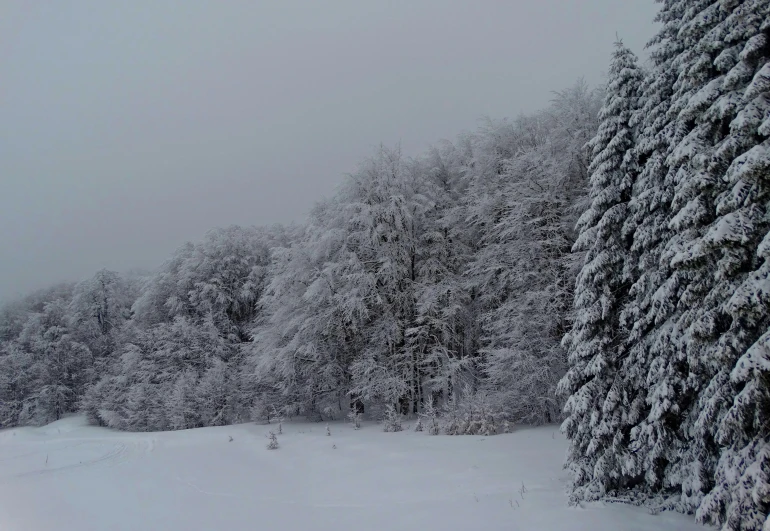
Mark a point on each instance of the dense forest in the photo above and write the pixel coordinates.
(604, 263)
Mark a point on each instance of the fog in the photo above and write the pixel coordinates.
(127, 128)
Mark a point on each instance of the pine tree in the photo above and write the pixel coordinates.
(669, 209)
(690, 378)
(596, 407)
(647, 315)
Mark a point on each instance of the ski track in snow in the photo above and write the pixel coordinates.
(50, 458)
(98, 479)
(112, 456)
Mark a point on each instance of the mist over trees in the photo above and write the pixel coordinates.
(604, 263)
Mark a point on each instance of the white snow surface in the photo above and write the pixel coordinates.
(71, 476)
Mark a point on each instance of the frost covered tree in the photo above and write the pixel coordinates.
(430, 414)
(392, 420)
(222, 277)
(385, 209)
(170, 376)
(341, 310)
(177, 363)
(309, 334)
(354, 417)
(57, 364)
(530, 178)
(444, 334)
(272, 441)
(100, 308)
(13, 314)
(377, 298)
(597, 406)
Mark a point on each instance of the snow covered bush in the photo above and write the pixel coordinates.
(472, 414)
(392, 420)
(451, 416)
(278, 416)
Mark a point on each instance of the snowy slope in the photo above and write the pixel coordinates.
(69, 476)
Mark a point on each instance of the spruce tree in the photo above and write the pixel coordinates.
(698, 301)
(734, 408)
(646, 225)
(672, 461)
(654, 371)
(595, 406)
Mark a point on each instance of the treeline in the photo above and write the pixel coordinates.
(448, 274)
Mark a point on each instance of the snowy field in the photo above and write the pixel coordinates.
(69, 476)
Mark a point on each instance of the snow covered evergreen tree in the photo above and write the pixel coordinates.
(734, 409)
(597, 405)
(711, 236)
(692, 380)
(651, 444)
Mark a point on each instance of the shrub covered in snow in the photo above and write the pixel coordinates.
(473, 414)
(392, 420)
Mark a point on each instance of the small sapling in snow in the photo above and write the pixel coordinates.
(272, 443)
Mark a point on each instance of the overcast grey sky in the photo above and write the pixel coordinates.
(127, 128)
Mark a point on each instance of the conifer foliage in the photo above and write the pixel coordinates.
(596, 407)
(668, 381)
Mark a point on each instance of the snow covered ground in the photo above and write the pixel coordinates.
(70, 476)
